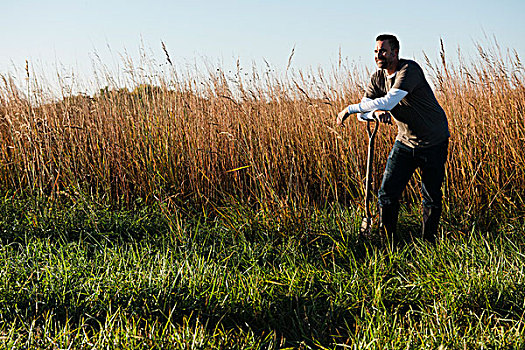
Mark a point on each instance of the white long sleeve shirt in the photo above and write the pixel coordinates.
(367, 106)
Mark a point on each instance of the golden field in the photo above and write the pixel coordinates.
(259, 137)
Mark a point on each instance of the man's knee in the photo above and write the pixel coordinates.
(432, 198)
(432, 202)
(385, 200)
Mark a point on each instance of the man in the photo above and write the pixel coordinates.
(399, 88)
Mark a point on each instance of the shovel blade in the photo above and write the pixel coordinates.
(367, 235)
(366, 227)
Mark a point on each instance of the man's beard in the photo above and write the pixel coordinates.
(382, 63)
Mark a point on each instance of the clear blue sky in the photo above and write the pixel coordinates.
(69, 31)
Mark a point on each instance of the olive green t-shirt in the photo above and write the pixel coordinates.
(420, 119)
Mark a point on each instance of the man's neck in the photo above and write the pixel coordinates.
(393, 67)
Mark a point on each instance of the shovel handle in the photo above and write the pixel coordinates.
(368, 186)
(372, 132)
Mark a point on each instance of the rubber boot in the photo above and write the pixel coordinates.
(430, 223)
(388, 222)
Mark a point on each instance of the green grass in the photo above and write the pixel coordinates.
(84, 275)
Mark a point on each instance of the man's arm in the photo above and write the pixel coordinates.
(368, 107)
(366, 115)
(341, 117)
(385, 103)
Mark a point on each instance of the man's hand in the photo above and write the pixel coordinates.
(383, 117)
(342, 116)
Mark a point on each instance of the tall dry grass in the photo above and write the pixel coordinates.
(258, 137)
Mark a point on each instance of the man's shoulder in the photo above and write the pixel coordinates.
(378, 75)
(408, 64)
(404, 64)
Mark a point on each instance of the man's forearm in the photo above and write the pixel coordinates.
(386, 103)
(367, 115)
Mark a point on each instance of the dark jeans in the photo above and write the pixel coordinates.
(401, 164)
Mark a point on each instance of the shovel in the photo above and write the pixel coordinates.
(366, 224)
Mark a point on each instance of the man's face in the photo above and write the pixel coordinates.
(384, 56)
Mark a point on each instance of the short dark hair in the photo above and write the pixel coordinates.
(392, 40)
